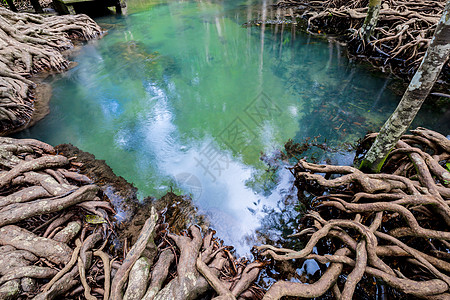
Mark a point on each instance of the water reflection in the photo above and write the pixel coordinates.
(181, 96)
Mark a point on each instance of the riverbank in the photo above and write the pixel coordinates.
(33, 44)
(397, 45)
(373, 234)
(62, 234)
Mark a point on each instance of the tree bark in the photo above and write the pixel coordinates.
(418, 89)
(23, 239)
(371, 19)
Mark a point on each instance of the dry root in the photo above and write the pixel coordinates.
(40, 219)
(202, 263)
(49, 250)
(393, 226)
(29, 44)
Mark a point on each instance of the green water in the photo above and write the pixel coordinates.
(181, 95)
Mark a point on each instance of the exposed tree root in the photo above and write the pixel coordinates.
(28, 44)
(52, 247)
(400, 39)
(391, 226)
(34, 191)
(140, 274)
(145, 240)
(202, 264)
(159, 274)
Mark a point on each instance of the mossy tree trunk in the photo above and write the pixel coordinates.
(371, 19)
(436, 56)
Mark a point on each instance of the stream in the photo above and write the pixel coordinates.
(180, 96)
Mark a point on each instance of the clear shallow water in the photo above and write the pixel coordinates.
(180, 96)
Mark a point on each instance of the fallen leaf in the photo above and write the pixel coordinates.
(93, 219)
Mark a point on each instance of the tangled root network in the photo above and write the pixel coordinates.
(400, 39)
(392, 226)
(28, 44)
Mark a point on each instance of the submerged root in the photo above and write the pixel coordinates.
(379, 223)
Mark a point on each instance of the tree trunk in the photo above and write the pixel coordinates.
(418, 89)
(371, 19)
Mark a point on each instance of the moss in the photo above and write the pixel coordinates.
(374, 167)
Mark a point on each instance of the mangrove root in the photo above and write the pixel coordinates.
(29, 44)
(393, 226)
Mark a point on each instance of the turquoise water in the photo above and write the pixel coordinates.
(180, 95)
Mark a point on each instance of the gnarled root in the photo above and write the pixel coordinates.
(39, 219)
(388, 226)
(401, 37)
(28, 44)
(202, 263)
